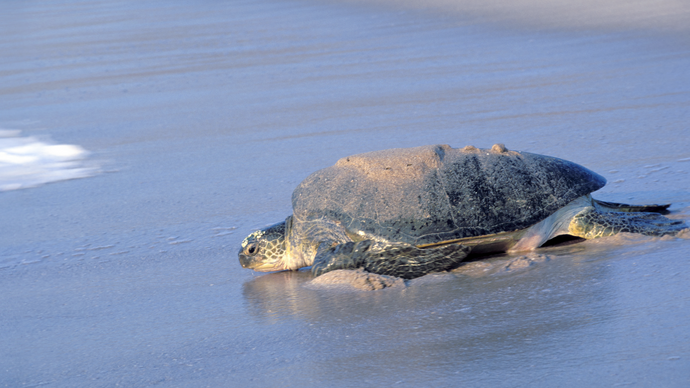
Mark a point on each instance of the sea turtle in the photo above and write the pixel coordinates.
(408, 212)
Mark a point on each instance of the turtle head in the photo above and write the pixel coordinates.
(265, 250)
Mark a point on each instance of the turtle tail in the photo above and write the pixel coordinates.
(393, 259)
(623, 207)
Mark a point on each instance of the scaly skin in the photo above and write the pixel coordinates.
(591, 223)
(326, 246)
(393, 259)
(264, 249)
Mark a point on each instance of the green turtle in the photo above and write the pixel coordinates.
(408, 212)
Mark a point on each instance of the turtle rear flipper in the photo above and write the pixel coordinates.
(393, 259)
(591, 223)
(624, 207)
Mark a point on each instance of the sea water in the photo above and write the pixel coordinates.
(195, 121)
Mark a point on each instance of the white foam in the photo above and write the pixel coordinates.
(29, 162)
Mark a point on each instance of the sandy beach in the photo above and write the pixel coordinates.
(158, 135)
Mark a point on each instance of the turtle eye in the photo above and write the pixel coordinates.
(251, 249)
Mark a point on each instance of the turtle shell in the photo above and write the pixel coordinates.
(435, 193)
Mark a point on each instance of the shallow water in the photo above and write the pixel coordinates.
(203, 118)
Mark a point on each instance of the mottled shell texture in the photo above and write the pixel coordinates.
(434, 193)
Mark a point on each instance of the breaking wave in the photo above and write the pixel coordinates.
(29, 162)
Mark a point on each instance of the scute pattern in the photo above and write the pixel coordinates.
(435, 193)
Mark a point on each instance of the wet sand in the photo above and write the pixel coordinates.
(202, 118)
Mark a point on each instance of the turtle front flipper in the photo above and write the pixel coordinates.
(624, 207)
(591, 223)
(393, 259)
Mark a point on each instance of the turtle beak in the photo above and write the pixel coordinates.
(245, 261)
(257, 263)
